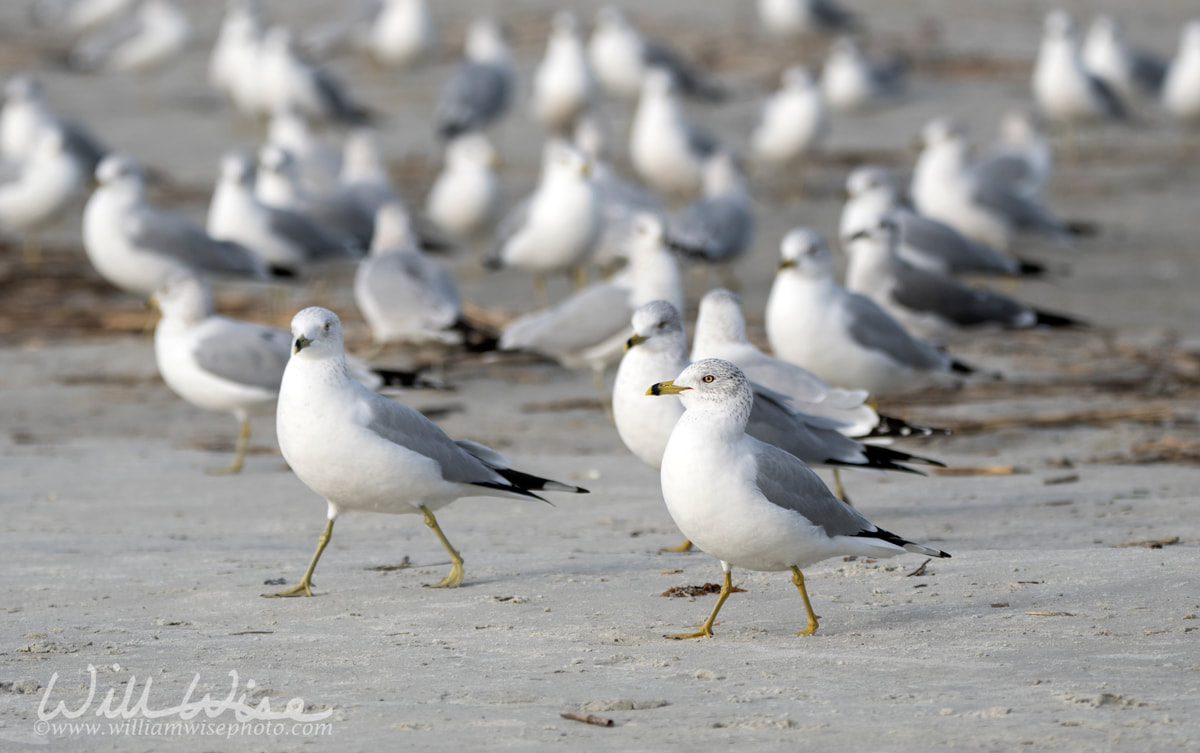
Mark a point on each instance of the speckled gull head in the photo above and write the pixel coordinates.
(238, 168)
(711, 385)
(117, 168)
(805, 251)
(656, 326)
(864, 180)
(883, 231)
(183, 297)
(317, 334)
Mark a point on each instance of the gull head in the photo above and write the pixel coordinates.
(1058, 25)
(117, 168)
(658, 82)
(237, 167)
(561, 159)
(657, 327)
(866, 180)
(23, 89)
(1020, 128)
(565, 25)
(611, 17)
(316, 334)
(720, 318)
(805, 252)
(879, 235)
(711, 385)
(943, 131)
(472, 149)
(722, 173)
(798, 77)
(1105, 30)
(844, 50)
(393, 229)
(485, 41)
(276, 159)
(184, 297)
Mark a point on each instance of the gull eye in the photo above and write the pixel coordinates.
(326, 326)
(707, 379)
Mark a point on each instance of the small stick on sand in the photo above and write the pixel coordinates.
(599, 721)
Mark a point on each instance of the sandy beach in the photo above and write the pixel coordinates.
(1066, 619)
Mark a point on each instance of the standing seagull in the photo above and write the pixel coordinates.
(621, 58)
(1181, 89)
(362, 451)
(555, 228)
(292, 83)
(231, 366)
(795, 18)
(842, 337)
(748, 503)
(852, 83)
(26, 117)
(793, 120)
(563, 85)
(160, 34)
(1127, 71)
(465, 197)
(929, 303)
(136, 246)
(404, 33)
(50, 178)
(1065, 90)
(667, 150)
(718, 228)
(481, 88)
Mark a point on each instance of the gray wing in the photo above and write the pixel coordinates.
(85, 147)
(1024, 212)
(1109, 101)
(873, 328)
(172, 235)
(832, 16)
(335, 101)
(701, 141)
(712, 229)
(316, 241)
(400, 284)
(245, 353)
(788, 483)
(807, 437)
(399, 424)
(508, 227)
(888, 76)
(691, 81)
(342, 212)
(925, 292)
(476, 94)
(591, 316)
(956, 253)
(1007, 169)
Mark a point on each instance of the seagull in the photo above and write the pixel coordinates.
(235, 66)
(404, 295)
(228, 365)
(926, 302)
(1128, 72)
(719, 227)
(362, 451)
(317, 163)
(25, 117)
(1064, 89)
(793, 120)
(77, 16)
(842, 337)
(621, 58)
(667, 150)
(465, 196)
(291, 83)
(748, 503)
(789, 19)
(482, 87)
(984, 206)
(774, 419)
(404, 33)
(924, 242)
(1022, 157)
(159, 34)
(50, 179)
(563, 85)
(279, 237)
(851, 82)
(277, 185)
(721, 333)
(136, 246)
(556, 227)
(589, 328)
(1181, 88)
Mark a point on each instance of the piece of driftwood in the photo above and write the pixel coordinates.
(980, 470)
(1151, 543)
(599, 721)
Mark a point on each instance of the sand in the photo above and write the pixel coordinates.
(1059, 623)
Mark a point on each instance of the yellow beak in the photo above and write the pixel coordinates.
(302, 342)
(666, 388)
(786, 264)
(635, 340)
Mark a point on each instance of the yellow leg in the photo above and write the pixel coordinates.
(454, 579)
(304, 587)
(705, 630)
(798, 579)
(33, 249)
(686, 546)
(838, 489)
(239, 455)
(579, 277)
(539, 290)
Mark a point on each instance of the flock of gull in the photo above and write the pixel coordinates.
(734, 430)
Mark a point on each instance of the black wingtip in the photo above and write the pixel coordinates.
(477, 338)
(1082, 228)
(412, 379)
(528, 483)
(1030, 268)
(278, 272)
(958, 367)
(890, 426)
(1050, 319)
